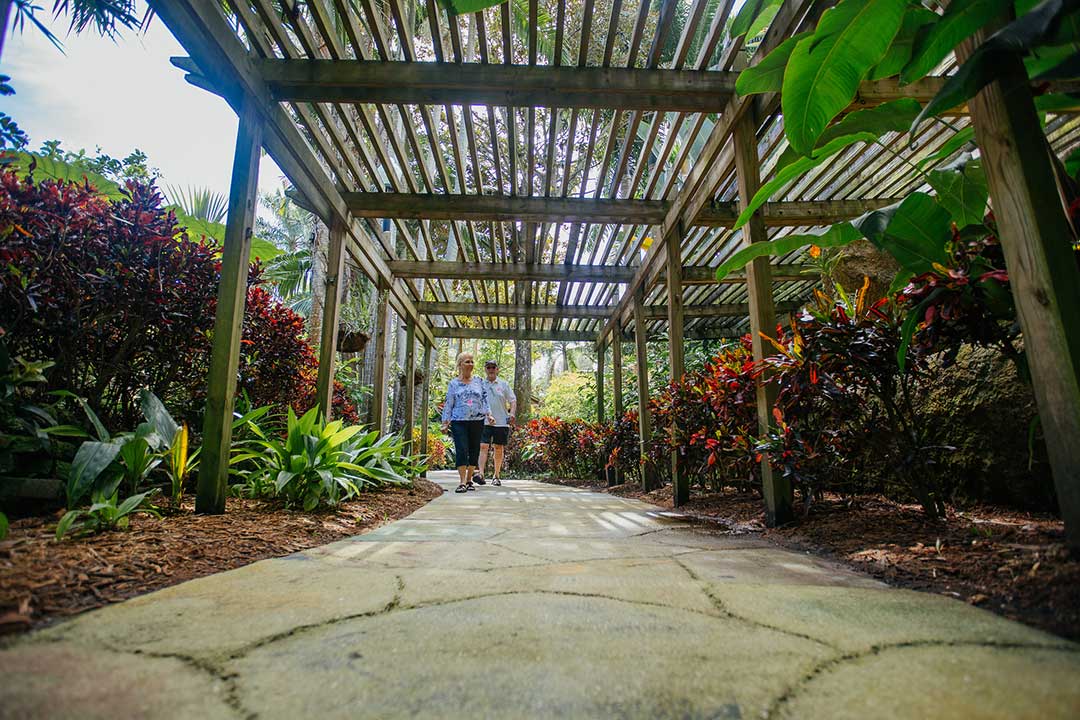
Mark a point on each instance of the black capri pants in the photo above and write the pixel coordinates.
(466, 435)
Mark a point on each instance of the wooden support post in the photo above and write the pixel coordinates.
(616, 382)
(410, 382)
(228, 323)
(335, 273)
(425, 405)
(775, 487)
(600, 352)
(1042, 271)
(382, 332)
(648, 472)
(680, 481)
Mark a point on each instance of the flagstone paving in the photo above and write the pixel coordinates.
(534, 600)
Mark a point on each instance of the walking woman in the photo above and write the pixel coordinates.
(464, 414)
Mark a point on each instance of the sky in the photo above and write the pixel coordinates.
(120, 96)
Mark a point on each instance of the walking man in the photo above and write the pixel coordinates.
(503, 404)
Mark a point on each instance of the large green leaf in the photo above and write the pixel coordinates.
(464, 7)
(824, 71)
(861, 126)
(53, 169)
(198, 228)
(1016, 39)
(90, 461)
(749, 14)
(835, 236)
(158, 417)
(960, 19)
(768, 75)
(1072, 164)
(916, 235)
(962, 190)
(899, 53)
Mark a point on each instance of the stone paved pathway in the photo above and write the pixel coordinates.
(534, 600)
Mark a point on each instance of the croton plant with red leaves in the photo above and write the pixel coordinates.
(120, 300)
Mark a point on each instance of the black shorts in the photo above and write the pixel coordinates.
(495, 434)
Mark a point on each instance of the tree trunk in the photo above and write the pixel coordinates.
(523, 378)
(318, 283)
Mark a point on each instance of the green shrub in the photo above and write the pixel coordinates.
(105, 514)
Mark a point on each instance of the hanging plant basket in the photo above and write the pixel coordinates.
(352, 341)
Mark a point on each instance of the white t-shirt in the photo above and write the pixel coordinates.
(500, 395)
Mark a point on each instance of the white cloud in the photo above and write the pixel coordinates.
(120, 96)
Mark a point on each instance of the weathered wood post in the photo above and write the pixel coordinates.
(378, 381)
(600, 352)
(775, 487)
(648, 472)
(680, 481)
(425, 404)
(616, 383)
(228, 322)
(410, 381)
(1042, 271)
(335, 272)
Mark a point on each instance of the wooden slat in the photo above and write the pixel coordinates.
(514, 334)
(511, 271)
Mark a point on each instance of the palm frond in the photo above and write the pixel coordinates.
(200, 203)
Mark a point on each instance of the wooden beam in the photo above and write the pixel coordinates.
(410, 384)
(591, 312)
(503, 208)
(680, 480)
(520, 272)
(381, 339)
(510, 208)
(648, 470)
(425, 405)
(781, 273)
(335, 272)
(776, 487)
(808, 213)
(423, 83)
(514, 334)
(229, 317)
(1045, 284)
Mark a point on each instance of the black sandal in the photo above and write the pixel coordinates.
(470, 486)
(461, 488)
(496, 481)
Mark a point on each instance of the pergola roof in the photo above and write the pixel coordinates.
(527, 156)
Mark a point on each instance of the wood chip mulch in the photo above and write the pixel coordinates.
(42, 579)
(1007, 561)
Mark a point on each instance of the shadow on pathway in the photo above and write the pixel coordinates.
(535, 600)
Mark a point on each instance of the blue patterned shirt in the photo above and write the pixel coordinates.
(466, 401)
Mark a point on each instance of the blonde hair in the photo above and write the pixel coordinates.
(461, 357)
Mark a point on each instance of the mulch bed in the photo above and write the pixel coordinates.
(1008, 561)
(42, 580)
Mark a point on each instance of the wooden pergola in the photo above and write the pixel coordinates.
(579, 184)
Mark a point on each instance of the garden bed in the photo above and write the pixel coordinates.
(42, 580)
(1007, 561)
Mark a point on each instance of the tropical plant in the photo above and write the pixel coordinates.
(105, 514)
(200, 203)
(318, 462)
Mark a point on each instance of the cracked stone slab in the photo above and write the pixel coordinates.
(530, 655)
(943, 681)
(655, 581)
(62, 681)
(763, 566)
(856, 619)
(222, 613)
(591, 548)
(460, 555)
